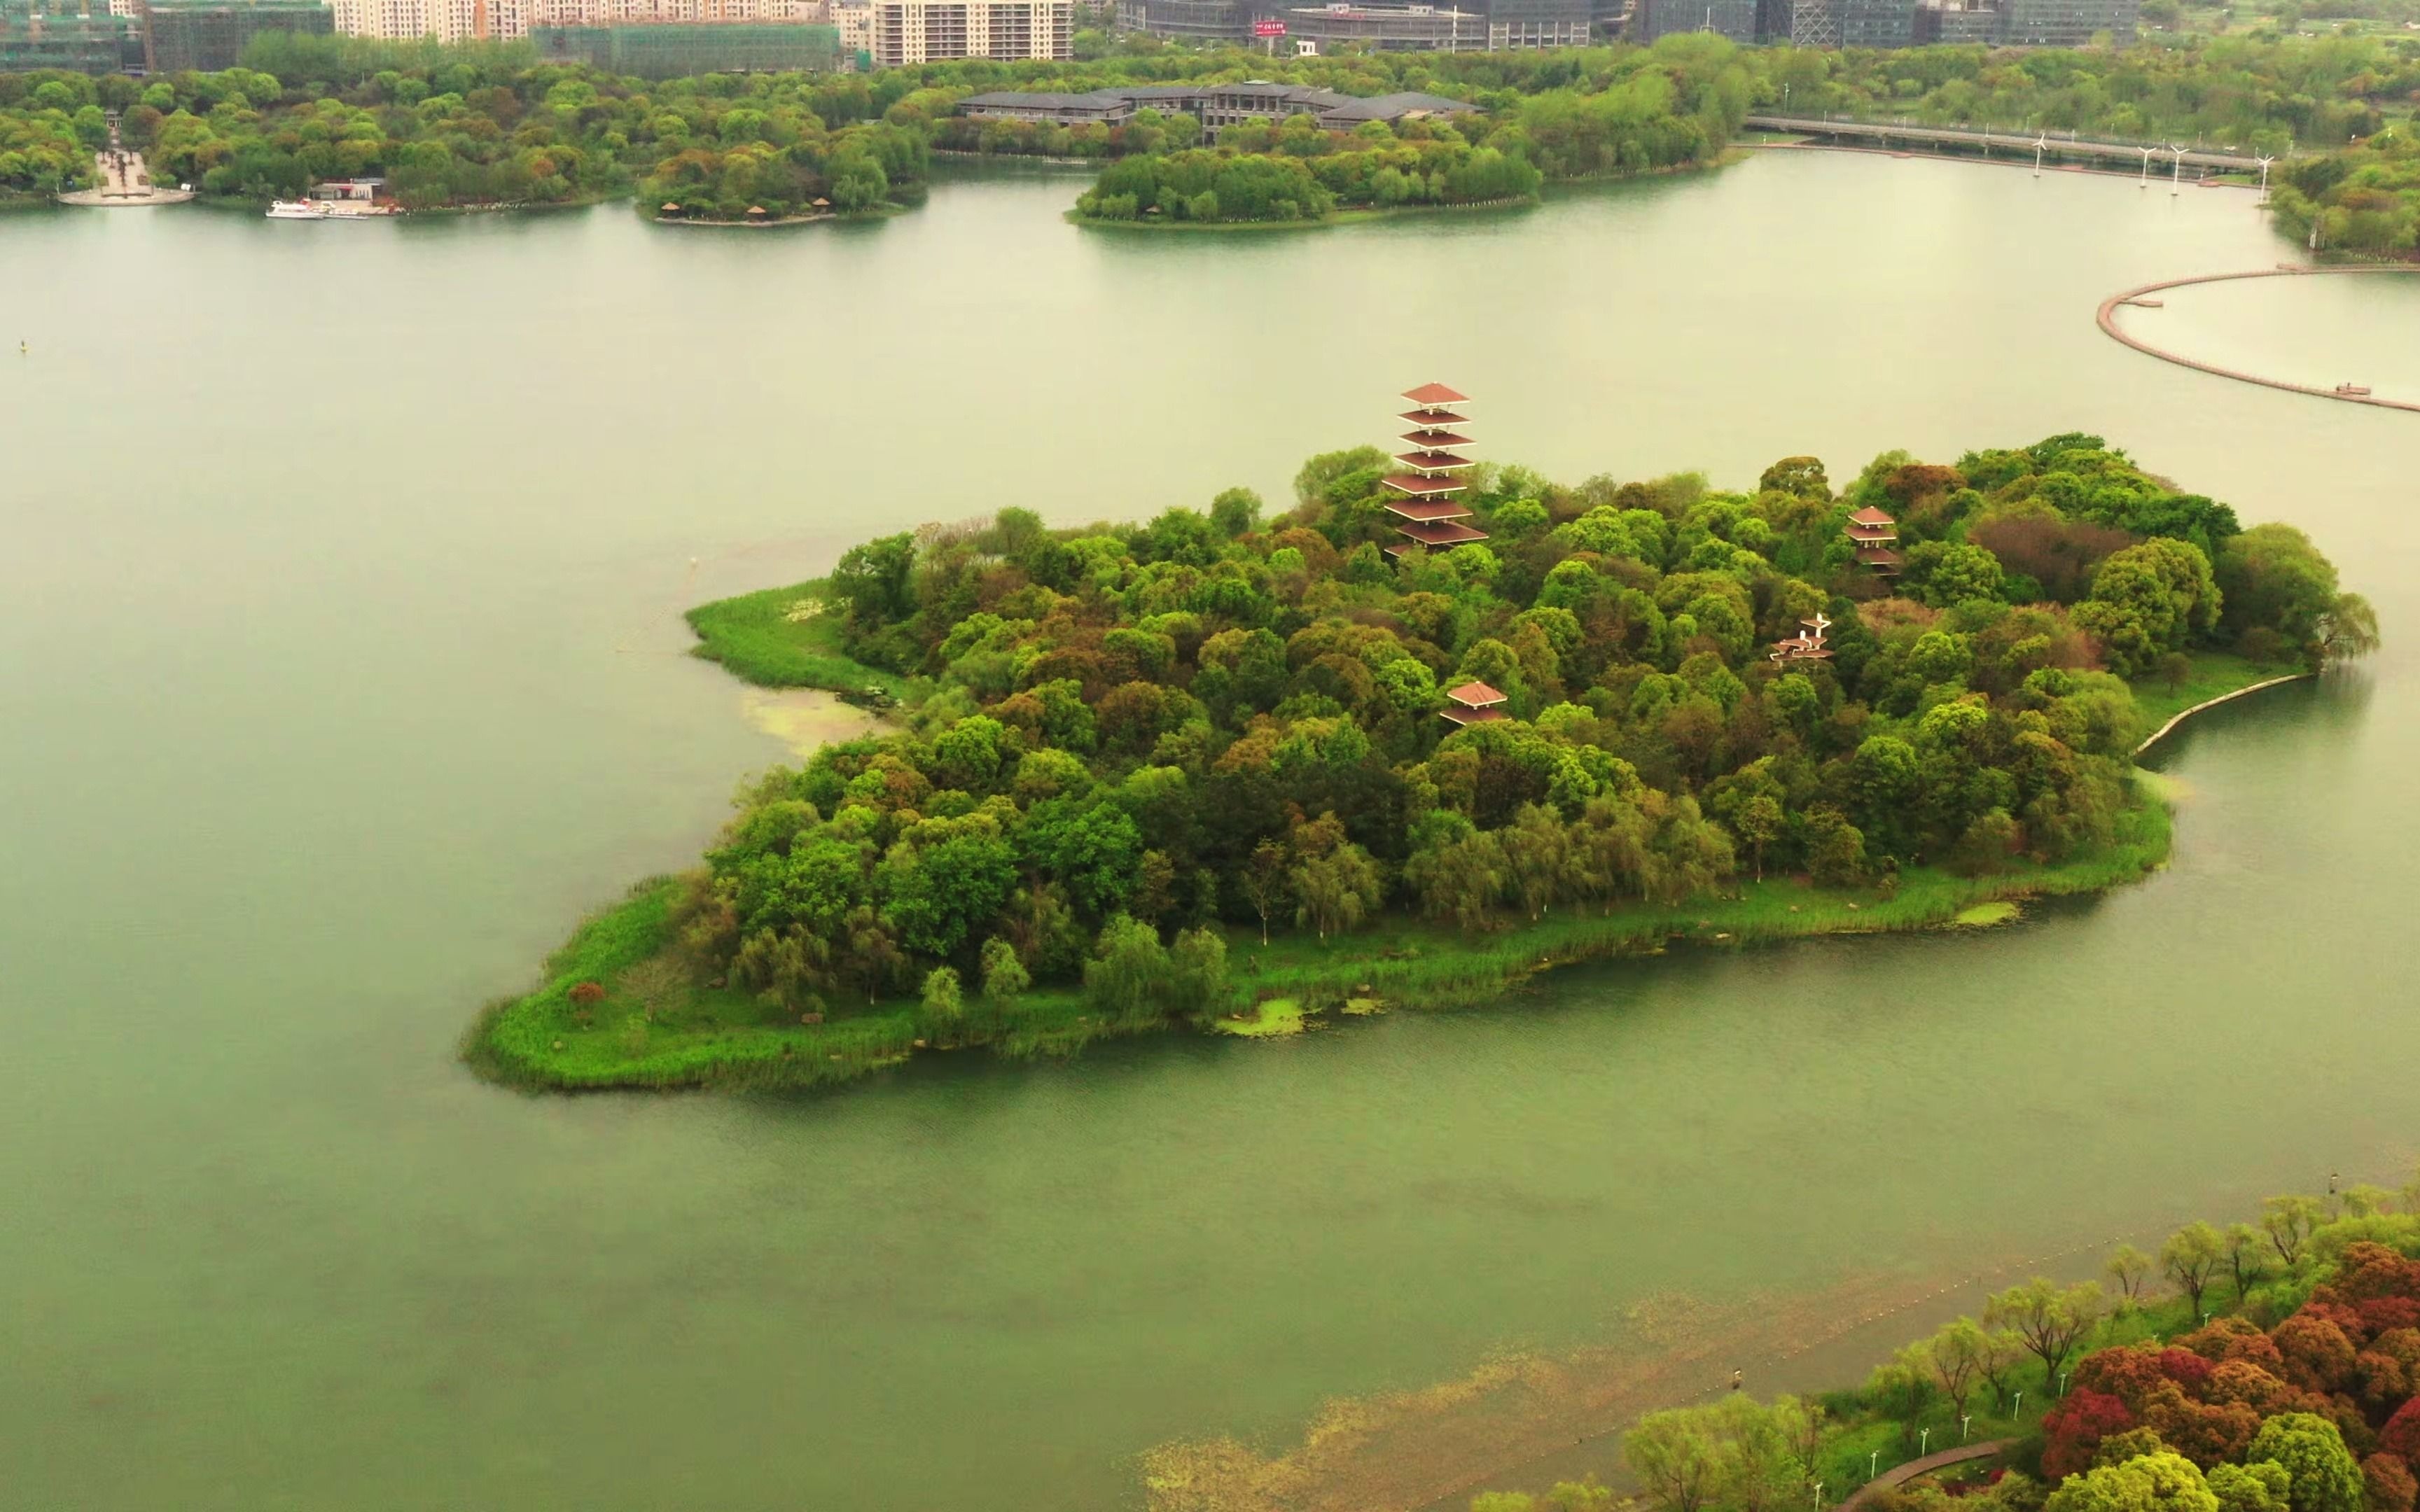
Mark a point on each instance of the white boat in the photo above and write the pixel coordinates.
(297, 209)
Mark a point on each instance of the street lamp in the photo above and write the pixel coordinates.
(1924, 1440)
(2062, 1382)
(2018, 1411)
(1819, 1496)
(2264, 177)
(2146, 166)
(2176, 175)
(1961, 1427)
(1871, 1461)
(2041, 141)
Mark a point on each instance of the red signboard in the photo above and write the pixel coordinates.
(1268, 28)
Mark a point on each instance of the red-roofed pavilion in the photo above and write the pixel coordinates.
(1427, 480)
(1473, 704)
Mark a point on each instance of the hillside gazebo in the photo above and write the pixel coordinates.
(1429, 476)
(1473, 704)
(1873, 533)
(1807, 644)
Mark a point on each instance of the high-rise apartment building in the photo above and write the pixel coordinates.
(448, 21)
(1522, 23)
(1875, 22)
(2067, 23)
(455, 21)
(933, 31)
(1217, 21)
(678, 49)
(1954, 23)
(1734, 18)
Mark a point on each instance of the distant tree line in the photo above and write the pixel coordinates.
(2256, 93)
(2364, 200)
(486, 123)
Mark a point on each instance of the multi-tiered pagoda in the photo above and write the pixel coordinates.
(1873, 533)
(1429, 483)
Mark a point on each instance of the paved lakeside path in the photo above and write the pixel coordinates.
(1899, 1475)
(2182, 714)
(124, 180)
(2109, 327)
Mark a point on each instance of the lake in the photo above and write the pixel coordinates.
(341, 670)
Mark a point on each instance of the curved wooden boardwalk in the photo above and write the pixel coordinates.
(1899, 1475)
(2109, 327)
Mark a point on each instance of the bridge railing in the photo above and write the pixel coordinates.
(2014, 133)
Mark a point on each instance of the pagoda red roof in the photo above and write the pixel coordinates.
(1877, 557)
(1871, 516)
(1434, 419)
(1432, 461)
(1472, 715)
(1433, 437)
(1476, 695)
(1435, 393)
(1439, 533)
(1873, 532)
(1429, 508)
(1413, 484)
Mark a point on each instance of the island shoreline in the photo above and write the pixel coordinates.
(1931, 900)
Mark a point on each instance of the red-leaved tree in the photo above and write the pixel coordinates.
(2074, 1429)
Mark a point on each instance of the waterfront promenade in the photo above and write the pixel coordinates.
(124, 180)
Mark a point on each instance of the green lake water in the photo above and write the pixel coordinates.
(341, 670)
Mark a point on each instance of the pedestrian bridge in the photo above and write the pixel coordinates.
(1890, 133)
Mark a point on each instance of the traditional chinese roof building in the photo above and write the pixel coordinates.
(1874, 535)
(1807, 645)
(1427, 482)
(1473, 704)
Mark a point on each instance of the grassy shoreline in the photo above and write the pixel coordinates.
(1354, 216)
(755, 638)
(720, 1037)
(1361, 214)
(647, 1031)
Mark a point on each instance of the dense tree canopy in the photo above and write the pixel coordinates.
(1137, 730)
(2252, 92)
(2298, 1398)
(477, 125)
(2364, 199)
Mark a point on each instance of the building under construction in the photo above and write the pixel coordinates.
(677, 50)
(74, 36)
(208, 37)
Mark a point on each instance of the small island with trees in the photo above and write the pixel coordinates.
(1430, 729)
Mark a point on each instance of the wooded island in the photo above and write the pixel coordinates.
(1199, 770)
